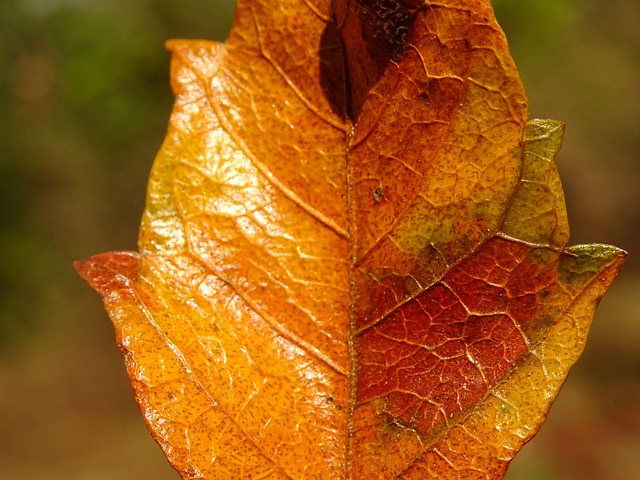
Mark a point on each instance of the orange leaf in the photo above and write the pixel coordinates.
(353, 261)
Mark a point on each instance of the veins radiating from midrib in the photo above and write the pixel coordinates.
(313, 211)
(276, 326)
(328, 223)
(459, 419)
(325, 222)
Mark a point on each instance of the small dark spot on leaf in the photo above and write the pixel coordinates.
(330, 399)
(424, 96)
(339, 406)
(378, 194)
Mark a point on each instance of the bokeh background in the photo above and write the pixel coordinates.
(84, 104)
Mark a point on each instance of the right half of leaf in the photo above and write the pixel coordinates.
(455, 379)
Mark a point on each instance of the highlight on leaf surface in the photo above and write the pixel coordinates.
(353, 259)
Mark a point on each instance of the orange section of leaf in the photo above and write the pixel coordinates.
(222, 391)
(353, 260)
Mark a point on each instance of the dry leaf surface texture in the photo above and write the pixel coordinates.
(353, 259)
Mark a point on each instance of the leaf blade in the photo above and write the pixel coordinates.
(308, 206)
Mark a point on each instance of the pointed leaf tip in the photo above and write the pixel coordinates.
(106, 271)
(586, 263)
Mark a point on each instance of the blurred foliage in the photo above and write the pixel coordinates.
(84, 104)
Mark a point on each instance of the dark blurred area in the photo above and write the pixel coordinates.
(84, 105)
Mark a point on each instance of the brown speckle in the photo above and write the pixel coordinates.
(378, 194)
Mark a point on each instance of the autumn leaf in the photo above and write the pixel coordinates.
(353, 259)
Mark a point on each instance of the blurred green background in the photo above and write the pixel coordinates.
(84, 104)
